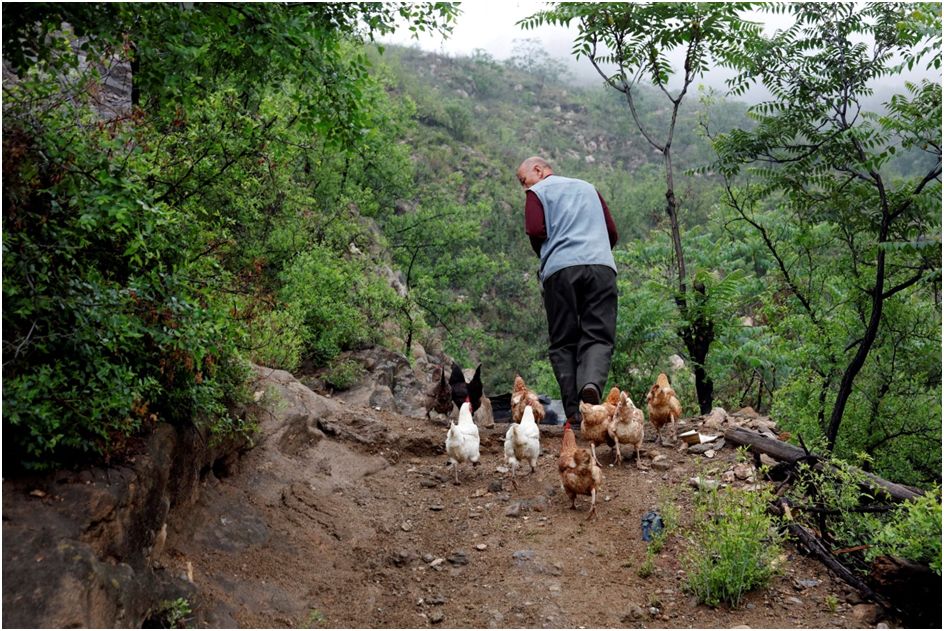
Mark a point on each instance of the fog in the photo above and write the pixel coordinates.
(491, 26)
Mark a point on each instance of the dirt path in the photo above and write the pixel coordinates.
(336, 533)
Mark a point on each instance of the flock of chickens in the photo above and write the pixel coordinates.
(615, 421)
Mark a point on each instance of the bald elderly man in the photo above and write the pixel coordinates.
(573, 233)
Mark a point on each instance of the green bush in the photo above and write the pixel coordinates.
(275, 339)
(343, 373)
(340, 304)
(108, 322)
(914, 532)
(732, 547)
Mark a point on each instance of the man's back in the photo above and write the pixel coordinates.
(576, 228)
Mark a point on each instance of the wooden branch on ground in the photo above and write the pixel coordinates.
(788, 453)
(819, 550)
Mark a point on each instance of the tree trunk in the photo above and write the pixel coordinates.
(699, 333)
(858, 360)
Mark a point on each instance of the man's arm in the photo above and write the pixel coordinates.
(610, 226)
(534, 225)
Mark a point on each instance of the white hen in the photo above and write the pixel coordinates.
(523, 443)
(462, 441)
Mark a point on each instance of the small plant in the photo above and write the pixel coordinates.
(343, 374)
(315, 619)
(831, 602)
(732, 546)
(743, 453)
(173, 614)
(648, 567)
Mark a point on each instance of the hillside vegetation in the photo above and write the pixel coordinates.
(279, 190)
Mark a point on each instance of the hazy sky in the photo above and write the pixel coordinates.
(490, 25)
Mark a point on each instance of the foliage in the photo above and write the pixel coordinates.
(832, 497)
(339, 304)
(144, 252)
(914, 532)
(836, 492)
(863, 239)
(343, 373)
(172, 614)
(733, 547)
(102, 321)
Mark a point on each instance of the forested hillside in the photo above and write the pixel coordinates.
(278, 189)
(780, 286)
(190, 189)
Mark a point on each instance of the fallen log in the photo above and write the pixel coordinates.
(818, 549)
(789, 453)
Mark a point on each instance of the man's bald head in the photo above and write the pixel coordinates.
(533, 170)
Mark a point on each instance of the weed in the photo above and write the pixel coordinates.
(732, 546)
(743, 453)
(315, 619)
(172, 614)
(831, 602)
(647, 568)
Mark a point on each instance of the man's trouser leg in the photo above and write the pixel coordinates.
(580, 303)
(597, 326)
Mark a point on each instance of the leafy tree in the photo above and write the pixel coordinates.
(637, 39)
(138, 249)
(860, 238)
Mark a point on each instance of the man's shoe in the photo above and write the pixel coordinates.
(590, 394)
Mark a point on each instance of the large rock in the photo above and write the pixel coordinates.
(103, 547)
(79, 548)
(388, 381)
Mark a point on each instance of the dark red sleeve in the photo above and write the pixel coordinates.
(534, 225)
(610, 226)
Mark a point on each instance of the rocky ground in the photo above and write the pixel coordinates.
(345, 515)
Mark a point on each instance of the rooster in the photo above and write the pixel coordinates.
(439, 397)
(462, 391)
(521, 397)
(462, 440)
(595, 421)
(579, 472)
(664, 406)
(522, 443)
(627, 427)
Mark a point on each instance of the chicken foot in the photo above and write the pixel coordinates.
(593, 504)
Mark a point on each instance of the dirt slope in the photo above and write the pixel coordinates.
(365, 529)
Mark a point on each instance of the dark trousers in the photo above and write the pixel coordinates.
(580, 302)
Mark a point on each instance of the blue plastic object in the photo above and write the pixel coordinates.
(651, 525)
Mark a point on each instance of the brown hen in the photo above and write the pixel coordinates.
(664, 406)
(627, 427)
(439, 397)
(522, 397)
(579, 473)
